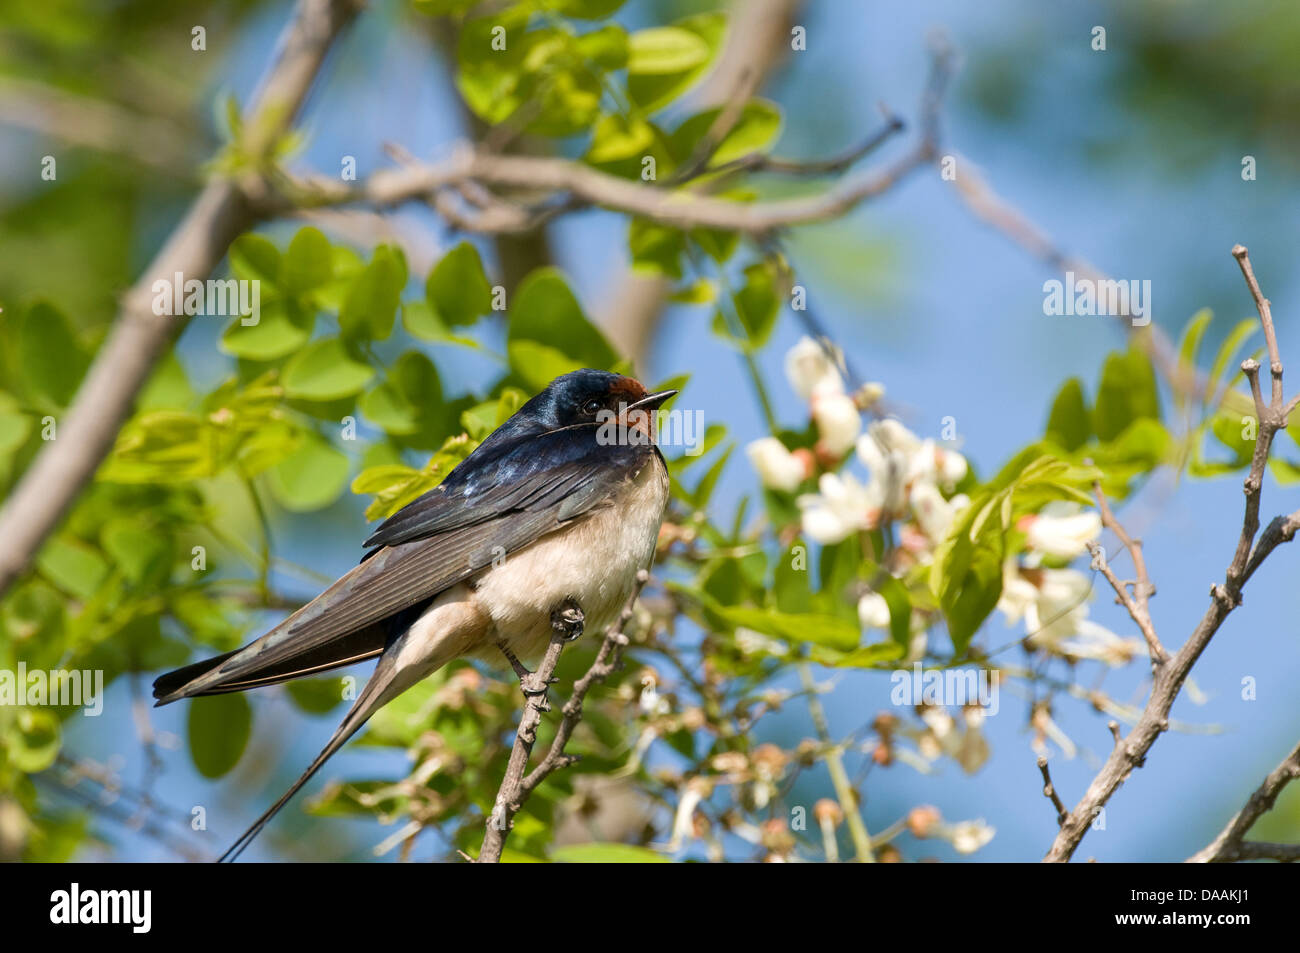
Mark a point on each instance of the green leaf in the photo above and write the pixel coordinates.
(869, 656)
(606, 48)
(308, 263)
(387, 407)
(72, 565)
(219, 727)
(616, 137)
(316, 696)
(900, 608)
(142, 553)
(311, 477)
(283, 327)
(15, 426)
(1188, 347)
(665, 49)
(1126, 393)
(370, 305)
(255, 258)
(756, 308)
(968, 603)
(324, 371)
(1227, 351)
(34, 739)
(549, 335)
(602, 853)
(1069, 425)
(457, 288)
(652, 90)
(655, 249)
(756, 129)
(50, 359)
(587, 9)
(790, 587)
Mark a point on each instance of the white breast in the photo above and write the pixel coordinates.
(594, 561)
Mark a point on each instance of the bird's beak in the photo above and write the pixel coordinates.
(652, 401)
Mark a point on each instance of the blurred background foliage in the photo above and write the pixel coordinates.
(241, 484)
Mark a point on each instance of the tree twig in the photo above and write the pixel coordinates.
(1168, 679)
(1049, 792)
(1230, 845)
(1138, 603)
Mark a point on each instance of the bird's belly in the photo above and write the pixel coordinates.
(594, 562)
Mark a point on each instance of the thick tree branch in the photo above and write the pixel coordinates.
(1230, 845)
(139, 337)
(1168, 679)
(580, 186)
(98, 124)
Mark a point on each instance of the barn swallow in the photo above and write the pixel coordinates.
(561, 504)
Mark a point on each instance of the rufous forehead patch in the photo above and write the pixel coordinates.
(627, 389)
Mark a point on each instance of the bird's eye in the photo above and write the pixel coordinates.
(590, 407)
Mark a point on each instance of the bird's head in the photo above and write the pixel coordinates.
(596, 397)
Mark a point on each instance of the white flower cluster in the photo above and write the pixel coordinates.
(906, 475)
(1053, 603)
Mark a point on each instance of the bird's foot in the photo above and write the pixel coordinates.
(530, 683)
(520, 669)
(569, 620)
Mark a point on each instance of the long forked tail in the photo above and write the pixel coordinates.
(382, 688)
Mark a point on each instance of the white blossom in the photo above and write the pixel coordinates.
(873, 611)
(838, 423)
(843, 506)
(776, 466)
(810, 371)
(1063, 537)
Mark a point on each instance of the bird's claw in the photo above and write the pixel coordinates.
(569, 620)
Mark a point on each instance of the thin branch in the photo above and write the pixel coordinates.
(844, 790)
(989, 207)
(1168, 679)
(1230, 844)
(762, 162)
(607, 660)
(1137, 603)
(1049, 792)
(1265, 318)
(567, 624)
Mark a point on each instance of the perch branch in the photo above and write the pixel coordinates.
(517, 785)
